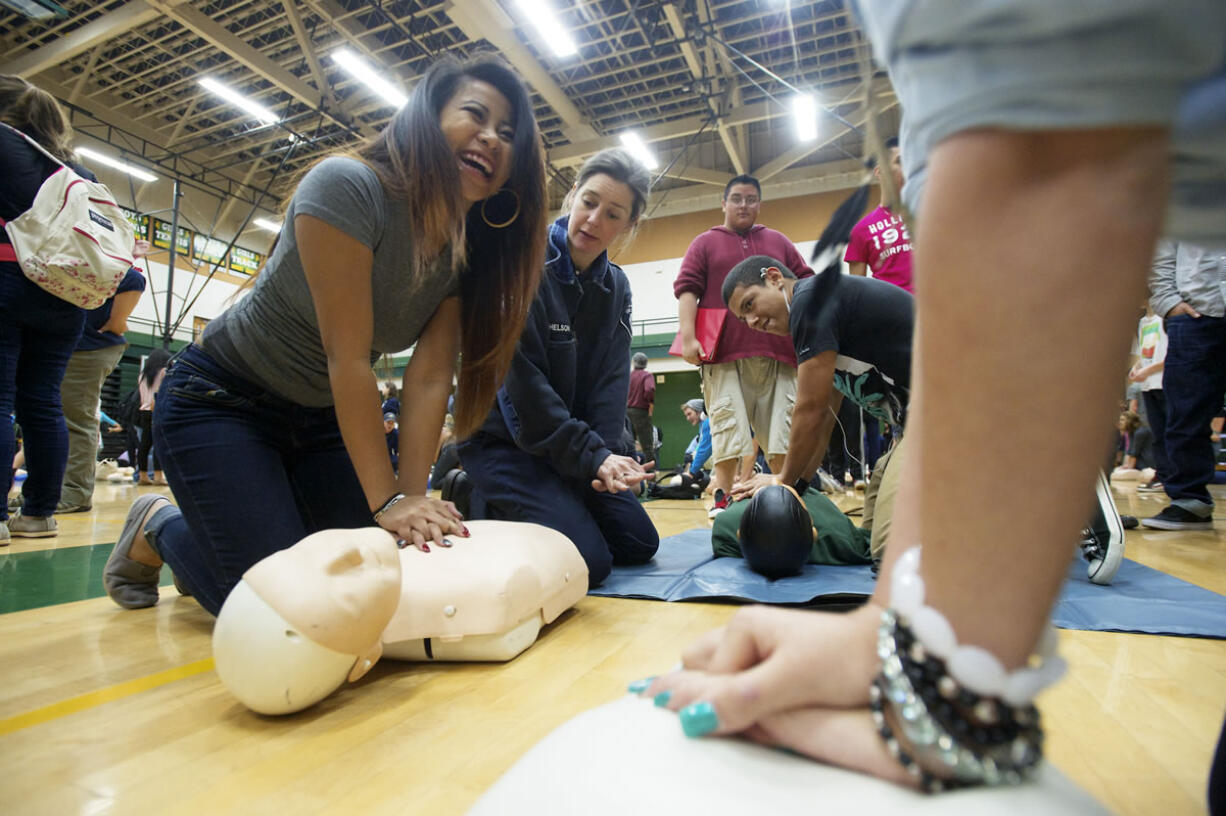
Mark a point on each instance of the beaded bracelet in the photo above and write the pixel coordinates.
(972, 740)
(973, 668)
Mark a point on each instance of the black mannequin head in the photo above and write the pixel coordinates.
(776, 532)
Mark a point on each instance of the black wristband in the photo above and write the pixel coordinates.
(387, 505)
(800, 486)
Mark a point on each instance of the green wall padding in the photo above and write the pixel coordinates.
(672, 389)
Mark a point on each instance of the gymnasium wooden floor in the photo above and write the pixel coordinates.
(110, 711)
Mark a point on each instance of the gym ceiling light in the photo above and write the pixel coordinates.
(540, 14)
(36, 9)
(634, 143)
(135, 172)
(359, 70)
(804, 110)
(238, 100)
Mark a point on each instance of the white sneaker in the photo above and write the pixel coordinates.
(5, 540)
(105, 468)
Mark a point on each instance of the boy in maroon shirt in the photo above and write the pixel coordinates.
(748, 377)
(640, 403)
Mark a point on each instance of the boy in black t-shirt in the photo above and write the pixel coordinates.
(852, 337)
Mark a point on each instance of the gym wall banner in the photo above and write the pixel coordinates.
(200, 248)
(161, 237)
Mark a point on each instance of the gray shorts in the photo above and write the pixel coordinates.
(1064, 65)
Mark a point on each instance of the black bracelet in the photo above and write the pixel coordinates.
(800, 486)
(971, 739)
(387, 505)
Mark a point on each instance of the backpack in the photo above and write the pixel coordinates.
(74, 241)
(128, 408)
(678, 484)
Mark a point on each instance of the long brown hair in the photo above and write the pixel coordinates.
(503, 265)
(500, 268)
(35, 113)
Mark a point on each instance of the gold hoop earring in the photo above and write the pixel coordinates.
(501, 224)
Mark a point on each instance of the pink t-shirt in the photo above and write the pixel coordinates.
(881, 240)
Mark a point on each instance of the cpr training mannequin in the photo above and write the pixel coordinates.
(306, 619)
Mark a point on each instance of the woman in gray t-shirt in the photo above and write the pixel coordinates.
(431, 233)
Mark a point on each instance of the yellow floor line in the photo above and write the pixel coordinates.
(96, 698)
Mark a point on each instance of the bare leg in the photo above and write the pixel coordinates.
(1031, 254)
(746, 470)
(140, 550)
(723, 473)
(1031, 257)
(776, 463)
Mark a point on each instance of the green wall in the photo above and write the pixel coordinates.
(672, 389)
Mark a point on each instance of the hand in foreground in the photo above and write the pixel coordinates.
(768, 660)
(617, 473)
(419, 520)
(746, 489)
(692, 352)
(787, 678)
(846, 737)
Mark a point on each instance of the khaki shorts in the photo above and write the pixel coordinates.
(753, 392)
(879, 498)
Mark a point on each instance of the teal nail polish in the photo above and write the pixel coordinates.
(698, 719)
(639, 686)
(661, 699)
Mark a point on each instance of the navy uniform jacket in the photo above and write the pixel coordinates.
(564, 397)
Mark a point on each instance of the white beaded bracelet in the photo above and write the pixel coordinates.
(975, 669)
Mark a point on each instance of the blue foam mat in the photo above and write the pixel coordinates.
(1140, 599)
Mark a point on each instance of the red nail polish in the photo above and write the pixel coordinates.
(466, 533)
(425, 548)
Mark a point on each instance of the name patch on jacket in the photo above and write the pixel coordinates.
(560, 331)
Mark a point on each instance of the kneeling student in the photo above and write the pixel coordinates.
(852, 337)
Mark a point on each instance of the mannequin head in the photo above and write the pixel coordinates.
(266, 662)
(304, 618)
(776, 532)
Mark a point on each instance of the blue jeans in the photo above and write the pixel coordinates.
(1193, 383)
(38, 333)
(512, 484)
(1155, 413)
(252, 473)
